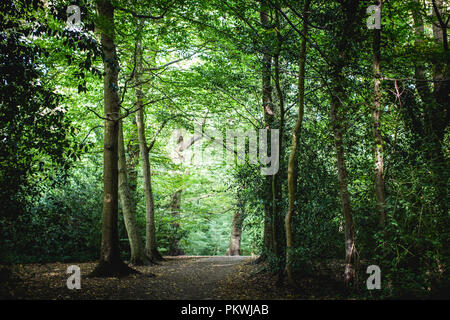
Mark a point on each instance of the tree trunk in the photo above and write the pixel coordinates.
(292, 168)
(150, 233)
(337, 117)
(376, 113)
(343, 189)
(132, 158)
(277, 194)
(234, 249)
(134, 236)
(110, 263)
(175, 206)
(268, 242)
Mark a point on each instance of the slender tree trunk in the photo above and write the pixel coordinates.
(376, 113)
(134, 236)
(337, 117)
(336, 121)
(268, 242)
(110, 262)
(277, 192)
(150, 233)
(292, 168)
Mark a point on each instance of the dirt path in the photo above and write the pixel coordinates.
(176, 278)
(197, 278)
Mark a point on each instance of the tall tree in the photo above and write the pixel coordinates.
(110, 262)
(277, 192)
(337, 116)
(151, 249)
(269, 115)
(292, 168)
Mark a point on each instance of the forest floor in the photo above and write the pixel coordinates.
(175, 278)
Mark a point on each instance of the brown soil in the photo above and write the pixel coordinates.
(176, 278)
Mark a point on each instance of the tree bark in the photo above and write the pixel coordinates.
(134, 236)
(337, 117)
(343, 189)
(268, 240)
(292, 168)
(234, 249)
(110, 263)
(277, 195)
(132, 158)
(150, 232)
(175, 206)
